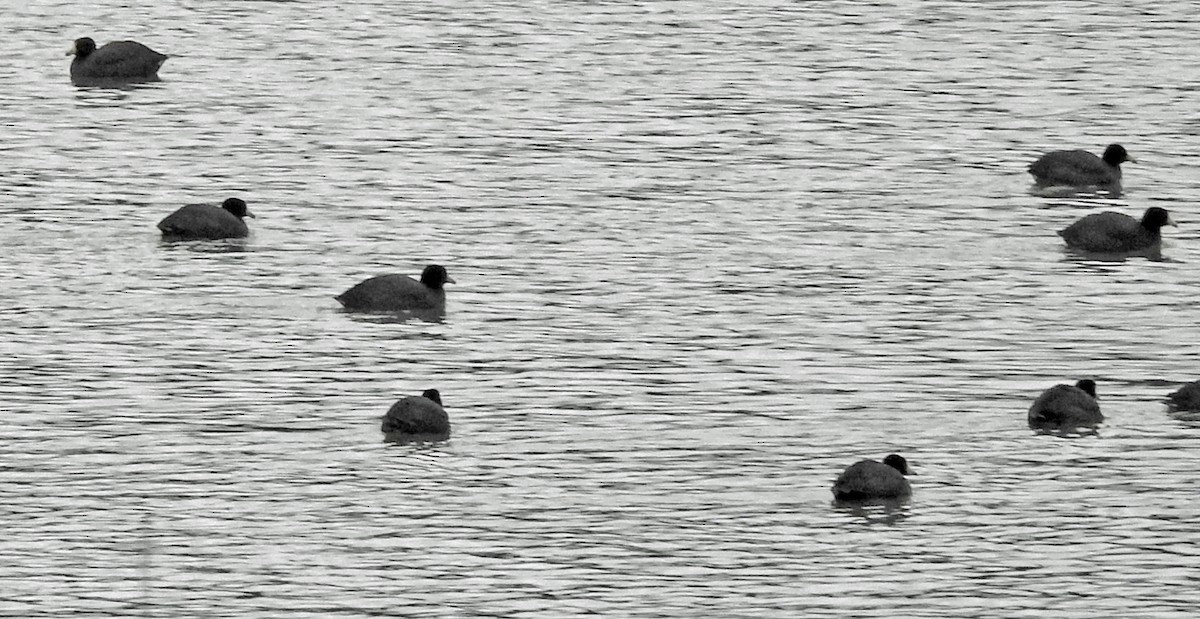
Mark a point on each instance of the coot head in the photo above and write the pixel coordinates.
(1088, 386)
(237, 206)
(432, 394)
(82, 47)
(435, 276)
(1155, 218)
(897, 462)
(1115, 155)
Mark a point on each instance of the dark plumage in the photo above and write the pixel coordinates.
(1117, 232)
(398, 293)
(205, 221)
(1066, 407)
(420, 417)
(868, 479)
(115, 62)
(1080, 168)
(1186, 398)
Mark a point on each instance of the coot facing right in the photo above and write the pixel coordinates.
(399, 293)
(1080, 168)
(206, 221)
(1111, 232)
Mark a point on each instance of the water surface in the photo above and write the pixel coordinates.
(707, 254)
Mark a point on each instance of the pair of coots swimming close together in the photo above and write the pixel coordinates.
(384, 293)
(1061, 408)
(1107, 232)
(1067, 408)
(1058, 406)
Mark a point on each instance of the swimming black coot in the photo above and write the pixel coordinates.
(115, 62)
(868, 479)
(1117, 232)
(206, 221)
(1080, 168)
(396, 293)
(417, 417)
(1066, 407)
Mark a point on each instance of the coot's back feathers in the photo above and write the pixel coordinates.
(868, 479)
(1066, 407)
(1186, 398)
(417, 417)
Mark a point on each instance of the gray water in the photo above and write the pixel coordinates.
(708, 254)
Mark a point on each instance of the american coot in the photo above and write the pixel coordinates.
(418, 417)
(1066, 407)
(398, 293)
(115, 62)
(1186, 398)
(205, 221)
(1080, 168)
(1117, 232)
(868, 479)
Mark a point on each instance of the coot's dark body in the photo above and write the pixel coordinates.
(417, 417)
(1066, 408)
(206, 221)
(1112, 232)
(1080, 168)
(867, 479)
(1186, 398)
(116, 62)
(398, 293)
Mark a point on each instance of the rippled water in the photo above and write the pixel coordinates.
(708, 254)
